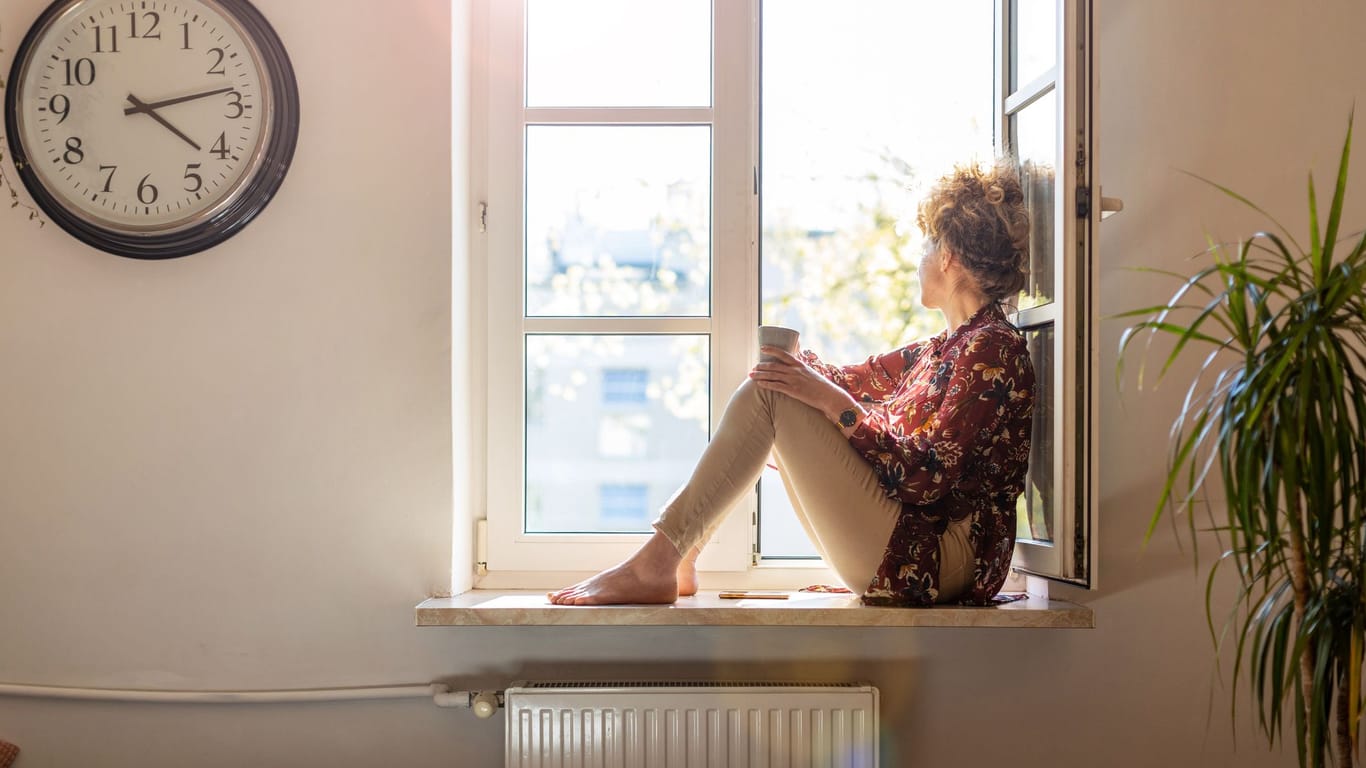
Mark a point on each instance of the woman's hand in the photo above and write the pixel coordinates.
(796, 379)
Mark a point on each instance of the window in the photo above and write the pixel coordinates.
(662, 177)
(1043, 113)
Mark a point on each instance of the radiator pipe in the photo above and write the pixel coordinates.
(484, 703)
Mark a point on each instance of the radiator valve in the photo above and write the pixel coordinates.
(484, 704)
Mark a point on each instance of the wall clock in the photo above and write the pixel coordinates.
(152, 128)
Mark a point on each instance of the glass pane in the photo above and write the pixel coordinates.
(618, 53)
(780, 533)
(1035, 47)
(1034, 513)
(618, 220)
(614, 424)
(851, 140)
(1035, 130)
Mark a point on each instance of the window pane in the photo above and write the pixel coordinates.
(1035, 510)
(1035, 44)
(614, 425)
(1035, 130)
(618, 53)
(780, 533)
(618, 220)
(851, 140)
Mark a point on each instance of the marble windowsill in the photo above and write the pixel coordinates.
(501, 608)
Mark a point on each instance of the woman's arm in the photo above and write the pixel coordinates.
(989, 380)
(873, 379)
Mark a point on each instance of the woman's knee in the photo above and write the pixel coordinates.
(749, 391)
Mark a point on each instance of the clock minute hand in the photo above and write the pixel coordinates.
(141, 107)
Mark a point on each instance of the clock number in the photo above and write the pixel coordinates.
(113, 39)
(186, 29)
(236, 102)
(83, 72)
(220, 147)
(198, 180)
(151, 31)
(73, 154)
(147, 194)
(110, 178)
(59, 105)
(217, 68)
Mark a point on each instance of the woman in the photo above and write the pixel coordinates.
(905, 469)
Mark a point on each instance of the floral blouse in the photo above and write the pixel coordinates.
(947, 430)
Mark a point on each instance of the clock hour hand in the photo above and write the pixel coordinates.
(141, 107)
(147, 109)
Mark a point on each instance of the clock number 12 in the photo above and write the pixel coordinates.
(151, 32)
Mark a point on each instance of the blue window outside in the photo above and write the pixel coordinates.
(624, 386)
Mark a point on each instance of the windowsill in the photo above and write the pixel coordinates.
(521, 608)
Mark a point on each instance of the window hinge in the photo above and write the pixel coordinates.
(1083, 202)
(483, 217)
(481, 547)
(756, 179)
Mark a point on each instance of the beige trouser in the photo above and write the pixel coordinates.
(835, 492)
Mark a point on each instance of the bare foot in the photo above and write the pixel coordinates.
(649, 576)
(687, 574)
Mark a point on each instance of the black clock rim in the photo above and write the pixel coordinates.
(248, 203)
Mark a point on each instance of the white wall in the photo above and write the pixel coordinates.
(234, 470)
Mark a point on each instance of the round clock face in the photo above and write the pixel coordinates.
(152, 128)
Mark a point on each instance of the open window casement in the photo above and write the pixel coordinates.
(1044, 107)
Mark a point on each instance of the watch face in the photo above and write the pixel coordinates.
(156, 126)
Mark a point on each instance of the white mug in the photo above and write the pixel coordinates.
(777, 336)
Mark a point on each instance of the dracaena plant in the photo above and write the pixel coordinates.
(1277, 415)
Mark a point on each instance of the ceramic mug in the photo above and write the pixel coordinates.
(777, 336)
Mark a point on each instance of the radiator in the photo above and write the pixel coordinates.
(691, 725)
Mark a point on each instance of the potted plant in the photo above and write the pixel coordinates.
(1277, 413)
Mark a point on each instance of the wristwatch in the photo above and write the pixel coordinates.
(849, 417)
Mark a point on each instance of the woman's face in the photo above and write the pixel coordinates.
(932, 282)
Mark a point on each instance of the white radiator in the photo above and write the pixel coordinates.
(691, 725)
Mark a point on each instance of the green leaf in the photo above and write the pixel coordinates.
(1339, 194)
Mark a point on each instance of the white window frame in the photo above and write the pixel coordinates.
(1073, 314)
(510, 558)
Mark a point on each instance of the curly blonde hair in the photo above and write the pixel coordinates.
(979, 215)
